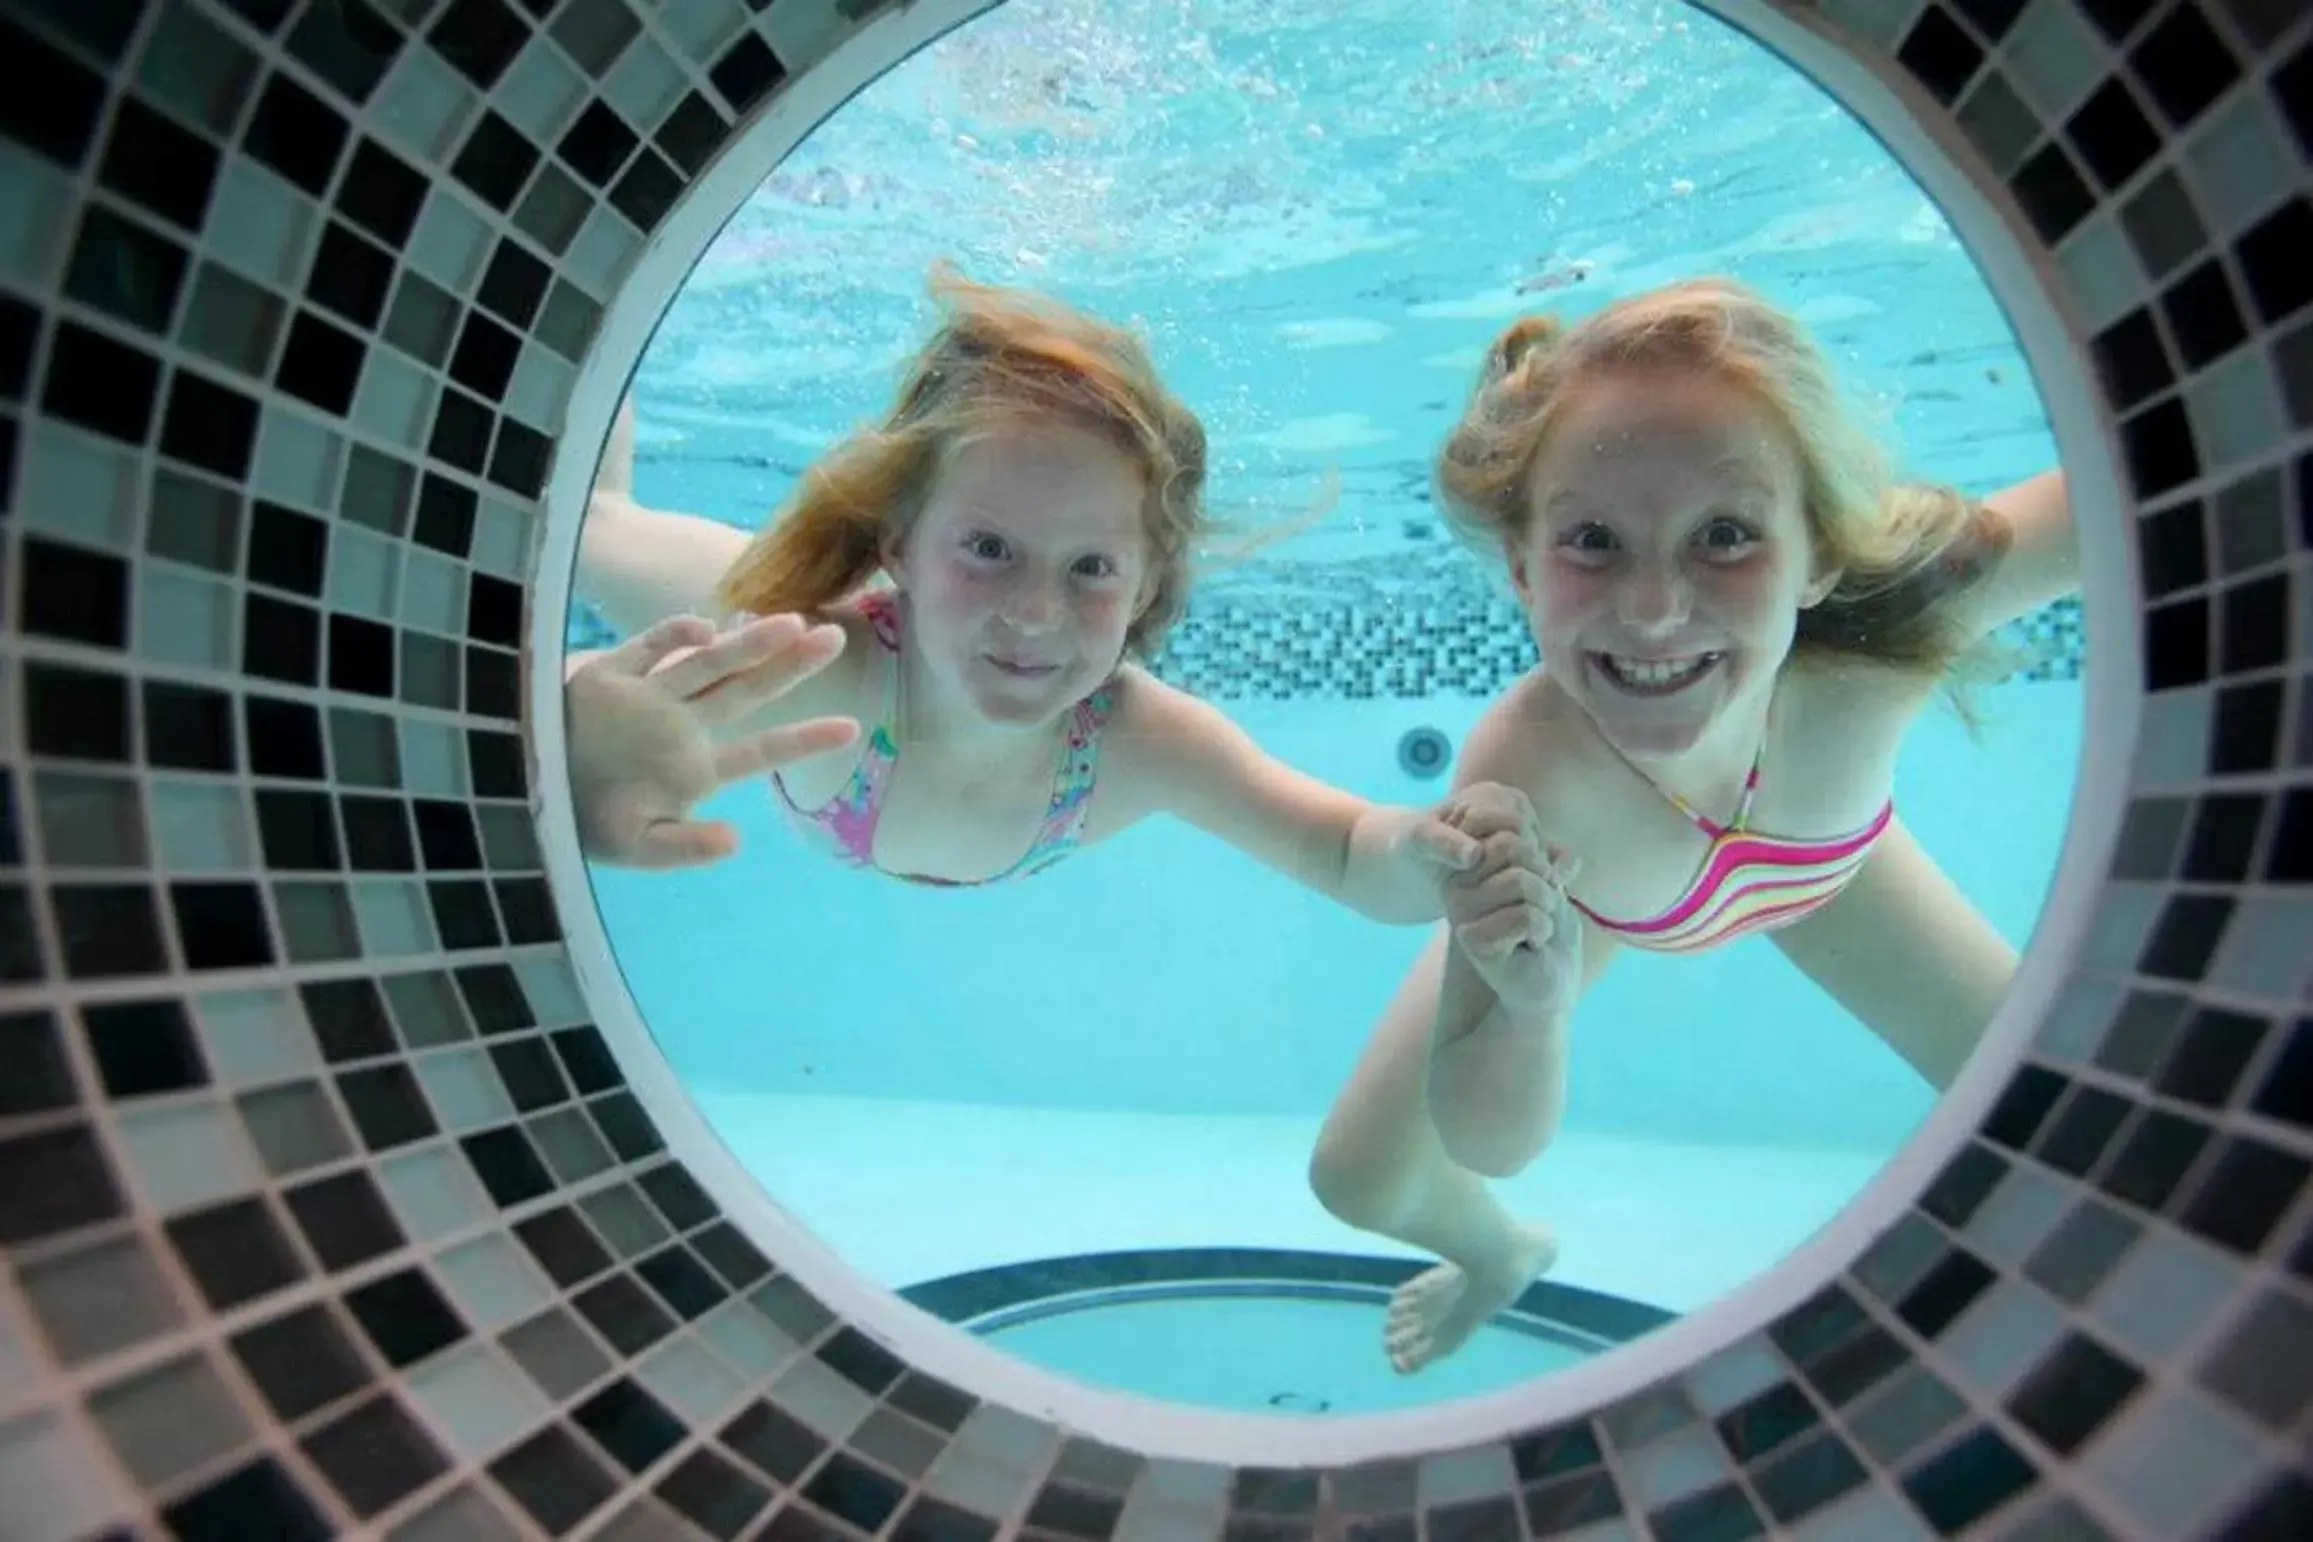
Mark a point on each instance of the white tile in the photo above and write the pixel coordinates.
(753, 1347)
(2101, 272)
(316, 922)
(72, 484)
(2007, 1332)
(1866, 1515)
(538, 92)
(55, 1485)
(294, 1127)
(1001, 1435)
(630, 1226)
(2123, 920)
(298, 461)
(1674, 1466)
(703, 27)
(1452, 1477)
(568, 1141)
(2172, 747)
(167, 1421)
(495, 1280)
(20, 1364)
(431, 589)
(2239, 163)
(395, 400)
(185, 617)
(2263, 952)
(820, 1398)
(35, 218)
(599, 258)
(1873, 21)
(540, 387)
(2235, 410)
(977, 1483)
(448, 243)
(691, 1381)
(201, 827)
(363, 569)
(255, 1036)
(394, 920)
(433, 1192)
(259, 224)
(2053, 59)
(1733, 1376)
(466, 1515)
(644, 84)
(477, 1402)
(502, 539)
(423, 104)
(2162, 1293)
(552, 988)
(464, 1087)
(2018, 1216)
(433, 760)
(2171, 1464)
(2078, 1019)
(188, 1155)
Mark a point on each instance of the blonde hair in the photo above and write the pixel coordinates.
(1900, 550)
(1001, 358)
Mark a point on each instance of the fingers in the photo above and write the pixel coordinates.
(760, 754)
(645, 651)
(742, 670)
(1443, 844)
(675, 843)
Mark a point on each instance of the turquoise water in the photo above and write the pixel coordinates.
(1319, 223)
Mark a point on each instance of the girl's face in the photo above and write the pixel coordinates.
(1024, 571)
(1666, 556)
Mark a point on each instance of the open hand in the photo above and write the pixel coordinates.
(1509, 911)
(658, 723)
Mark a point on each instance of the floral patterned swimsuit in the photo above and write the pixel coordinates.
(844, 826)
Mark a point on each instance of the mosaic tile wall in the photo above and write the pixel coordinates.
(324, 1207)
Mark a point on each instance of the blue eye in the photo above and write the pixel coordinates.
(988, 548)
(1098, 567)
(1726, 536)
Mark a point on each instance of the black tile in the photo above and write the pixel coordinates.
(2249, 1188)
(49, 101)
(284, 738)
(1567, 1504)
(100, 384)
(493, 685)
(514, 284)
(235, 1252)
(108, 930)
(1807, 1477)
(692, 134)
(2255, 632)
(2112, 136)
(629, 1130)
(1078, 1512)
(2070, 1395)
(2162, 454)
(677, 1196)
(2153, 1158)
(2132, 361)
(493, 610)
(387, 1107)
(626, 1317)
(346, 44)
(301, 1361)
(280, 641)
(446, 835)
(2272, 253)
(565, 1247)
(1944, 1292)
(508, 1165)
(2248, 729)
(405, 1316)
(188, 727)
(495, 162)
(350, 276)
(461, 437)
(518, 461)
(321, 363)
(259, 1500)
(861, 1361)
(494, 996)
(634, 1427)
(587, 1060)
(1856, 1364)
(2052, 193)
(1816, 1324)
(361, 656)
(103, 27)
(295, 831)
(53, 1182)
(647, 191)
(2203, 316)
(445, 515)
(19, 332)
(1753, 1428)
(20, 960)
(142, 1047)
(11, 825)
(772, 1442)
(2209, 1057)
(375, 1455)
(1993, 18)
(2186, 939)
(2224, 838)
(2163, 224)
(158, 165)
(2116, 19)
(1968, 1481)
(597, 144)
(2024, 1107)
(931, 1520)
(287, 550)
(1721, 1513)
(480, 38)
(553, 1479)
(73, 593)
(221, 925)
(75, 714)
(2287, 1091)
(1941, 54)
(40, 1075)
(746, 71)
(462, 915)
(730, 1255)
(1966, 1181)
(852, 1490)
(494, 761)
(123, 268)
(713, 1494)
(349, 1019)
(527, 1069)
(381, 194)
(484, 358)
(266, 16)
(344, 1219)
(296, 133)
(2184, 65)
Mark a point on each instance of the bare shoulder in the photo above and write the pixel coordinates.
(1155, 731)
(1522, 740)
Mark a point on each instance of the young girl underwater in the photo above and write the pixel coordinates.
(1034, 498)
(1739, 617)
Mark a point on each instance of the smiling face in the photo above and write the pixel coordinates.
(1666, 556)
(1024, 572)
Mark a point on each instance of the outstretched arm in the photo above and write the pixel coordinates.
(640, 566)
(2040, 561)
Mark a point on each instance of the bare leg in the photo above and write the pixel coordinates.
(1380, 1166)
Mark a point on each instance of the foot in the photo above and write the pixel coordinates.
(1435, 1312)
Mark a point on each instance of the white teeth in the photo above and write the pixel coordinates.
(1653, 674)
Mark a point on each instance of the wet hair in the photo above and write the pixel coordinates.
(1901, 551)
(1001, 360)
